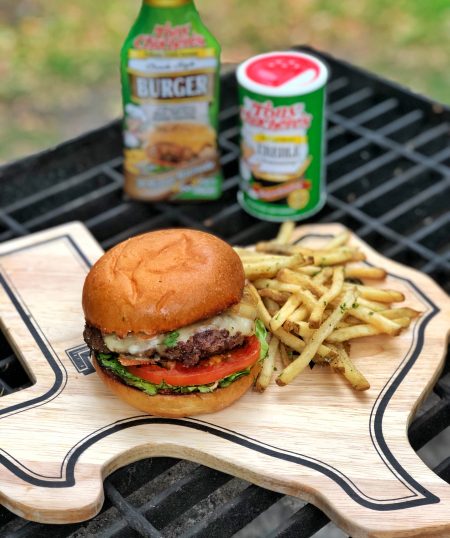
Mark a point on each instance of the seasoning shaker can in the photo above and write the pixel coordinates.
(282, 100)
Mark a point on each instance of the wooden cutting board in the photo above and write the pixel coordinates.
(317, 439)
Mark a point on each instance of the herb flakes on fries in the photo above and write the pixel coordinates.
(313, 302)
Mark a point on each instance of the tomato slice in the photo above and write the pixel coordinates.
(207, 371)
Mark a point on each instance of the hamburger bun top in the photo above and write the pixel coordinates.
(160, 281)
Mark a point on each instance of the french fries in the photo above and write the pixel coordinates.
(375, 273)
(285, 233)
(393, 313)
(264, 268)
(354, 331)
(337, 256)
(313, 302)
(338, 240)
(279, 297)
(385, 325)
(335, 289)
(346, 367)
(284, 336)
(304, 281)
(285, 311)
(311, 348)
(285, 360)
(363, 329)
(375, 294)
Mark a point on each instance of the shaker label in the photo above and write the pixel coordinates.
(274, 138)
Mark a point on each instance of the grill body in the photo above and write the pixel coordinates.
(388, 171)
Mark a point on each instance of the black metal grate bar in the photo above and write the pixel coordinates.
(375, 224)
(388, 180)
(443, 470)
(233, 515)
(133, 517)
(303, 524)
(376, 137)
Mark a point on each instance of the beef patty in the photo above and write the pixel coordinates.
(197, 347)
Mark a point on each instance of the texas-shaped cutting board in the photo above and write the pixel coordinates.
(344, 451)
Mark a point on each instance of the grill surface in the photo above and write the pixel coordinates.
(388, 169)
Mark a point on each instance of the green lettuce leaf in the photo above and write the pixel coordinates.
(111, 363)
(226, 381)
(261, 334)
(115, 367)
(171, 339)
(105, 356)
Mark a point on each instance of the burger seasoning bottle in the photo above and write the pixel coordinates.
(170, 87)
(281, 97)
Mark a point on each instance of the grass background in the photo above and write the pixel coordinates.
(59, 60)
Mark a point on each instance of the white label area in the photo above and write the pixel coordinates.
(171, 65)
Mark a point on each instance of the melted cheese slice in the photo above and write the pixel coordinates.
(135, 345)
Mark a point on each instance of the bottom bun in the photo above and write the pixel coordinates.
(179, 405)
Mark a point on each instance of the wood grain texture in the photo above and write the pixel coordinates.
(317, 439)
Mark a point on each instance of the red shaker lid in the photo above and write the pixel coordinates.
(282, 73)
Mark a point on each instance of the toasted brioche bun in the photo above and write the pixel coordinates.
(180, 405)
(160, 281)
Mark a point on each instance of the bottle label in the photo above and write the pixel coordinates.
(166, 37)
(155, 79)
(170, 143)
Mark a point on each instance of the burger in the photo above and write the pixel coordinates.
(170, 324)
(178, 144)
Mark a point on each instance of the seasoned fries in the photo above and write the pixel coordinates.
(279, 297)
(382, 296)
(285, 360)
(338, 240)
(285, 311)
(375, 273)
(304, 281)
(285, 233)
(267, 268)
(337, 256)
(314, 301)
(316, 340)
(385, 325)
(345, 366)
(335, 289)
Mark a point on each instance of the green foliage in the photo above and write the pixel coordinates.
(171, 339)
(261, 334)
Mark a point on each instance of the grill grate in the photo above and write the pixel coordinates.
(388, 167)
